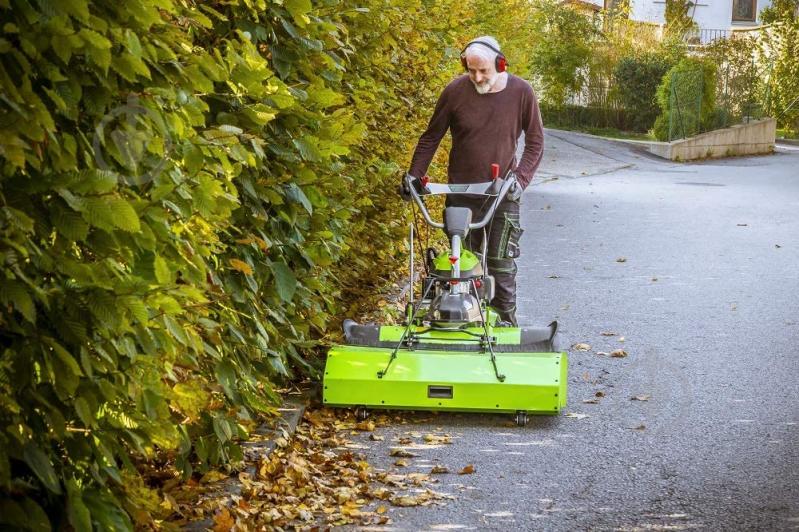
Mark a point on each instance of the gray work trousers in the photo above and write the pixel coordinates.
(504, 232)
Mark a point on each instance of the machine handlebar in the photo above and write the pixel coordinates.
(498, 187)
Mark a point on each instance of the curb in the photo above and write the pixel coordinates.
(291, 412)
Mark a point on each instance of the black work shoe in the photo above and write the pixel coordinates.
(507, 317)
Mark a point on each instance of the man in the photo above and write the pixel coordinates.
(486, 110)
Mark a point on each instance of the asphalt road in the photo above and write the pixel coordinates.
(707, 302)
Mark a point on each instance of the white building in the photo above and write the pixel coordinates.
(714, 18)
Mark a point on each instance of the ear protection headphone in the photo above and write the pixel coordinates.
(500, 62)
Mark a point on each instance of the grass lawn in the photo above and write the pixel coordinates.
(609, 132)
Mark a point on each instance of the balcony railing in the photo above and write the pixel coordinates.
(697, 36)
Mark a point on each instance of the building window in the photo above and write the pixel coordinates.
(744, 10)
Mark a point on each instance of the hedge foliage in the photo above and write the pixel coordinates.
(185, 188)
(636, 80)
(780, 49)
(687, 98)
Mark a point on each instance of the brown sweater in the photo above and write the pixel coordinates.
(485, 129)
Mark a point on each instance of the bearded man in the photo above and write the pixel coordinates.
(486, 110)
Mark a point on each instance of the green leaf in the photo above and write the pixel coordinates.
(15, 293)
(37, 520)
(79, 516)
(84, 412)
(299, 10)
(41, 466)
(162, 272)
(308, 148)
(285, 280)
(226, 376)
(125, 216)
(11, 513)
(296, 194)
(65, 358)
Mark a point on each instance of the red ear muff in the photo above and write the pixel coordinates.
(500, 63)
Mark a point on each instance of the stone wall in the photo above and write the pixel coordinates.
(756, 137)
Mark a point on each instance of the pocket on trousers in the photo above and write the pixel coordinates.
(514, 232)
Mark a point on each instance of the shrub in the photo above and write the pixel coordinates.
(561, 49)
(637, 80)
(184, 187)
(687, 99)
(780, 48)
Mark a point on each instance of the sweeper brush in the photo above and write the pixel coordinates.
(452, 353)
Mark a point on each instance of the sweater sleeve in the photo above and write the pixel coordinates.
(533, 140)
(431, 138)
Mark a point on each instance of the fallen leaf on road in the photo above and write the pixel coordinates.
(366, 426)
(439, 470)
(621, 259)
(212, 476)
(468, 470)
(777, 246)
(591, 401)
(402, 453)
(603, 353)
(608, 333)
(436, 439)
(576, 415)
(405, 441)
(223, 521)
(401, 463)
(618, 353)
(381, 509)
(643, 397)
(553, 276)
(621, 338)
(742, 225)
(581, 347)
(600, 394)
(375, 437)
(640, 427)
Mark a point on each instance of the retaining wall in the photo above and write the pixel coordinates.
(755, 137)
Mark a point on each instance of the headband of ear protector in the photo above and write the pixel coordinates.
(500, 62)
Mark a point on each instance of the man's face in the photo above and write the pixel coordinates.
(482, 72)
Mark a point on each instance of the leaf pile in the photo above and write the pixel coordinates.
(316, 480)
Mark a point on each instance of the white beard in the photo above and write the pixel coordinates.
(486, 86)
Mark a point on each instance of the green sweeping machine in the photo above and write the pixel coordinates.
(452, 353)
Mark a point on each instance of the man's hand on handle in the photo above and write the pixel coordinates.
(515, 191)
(404, 189)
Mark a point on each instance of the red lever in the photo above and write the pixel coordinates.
(425, 180)
(494, 170)
(453, 260)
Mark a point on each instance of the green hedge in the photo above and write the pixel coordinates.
(687, 98)
(185, 189)
(576, 116)
(637, 79)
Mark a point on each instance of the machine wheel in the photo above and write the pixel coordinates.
(521, 418)
(361, 413)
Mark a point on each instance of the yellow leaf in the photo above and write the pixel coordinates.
(468, 470)
(241, 266)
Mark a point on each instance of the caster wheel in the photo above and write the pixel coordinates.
(521, 419)
(361, 413)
